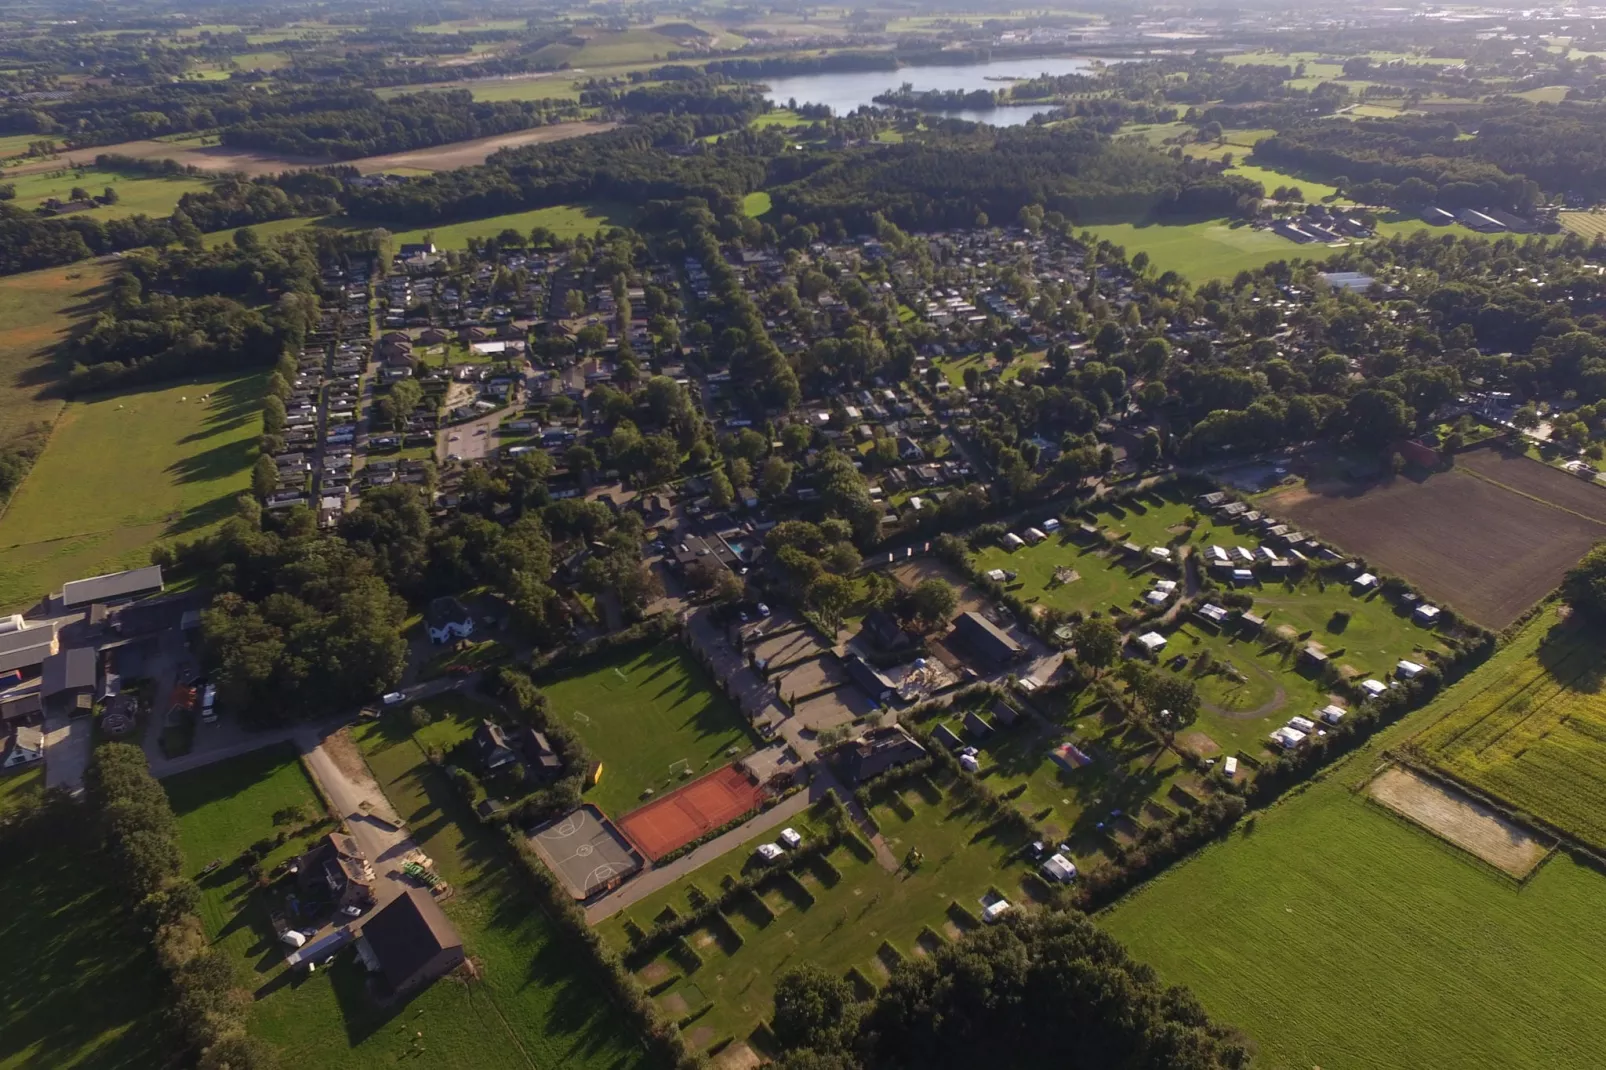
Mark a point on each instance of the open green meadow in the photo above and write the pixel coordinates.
(136, 194)
(1335, 934)
(532, 1008)
(1310, 190)
(1529, 728)
(83, 989)
(564, 220)
(271, 229)
(124, 472)
(38, 309)
(645, 716)
(847, 913)
(1220, 248)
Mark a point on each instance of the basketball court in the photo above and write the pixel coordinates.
(688, 813)
(586, 851)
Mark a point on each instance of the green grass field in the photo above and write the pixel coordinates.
(38, 309)
(86, 992)
(1271, 178)
(1530, 728)
(137, 194)
(1335, 934)
(124, 472)
(21, 790)
(1586, 224)
(265, 231)
(640, 714)
(756, 204)
(224, 808)
(532, 1009)
(564, 220)
(1220, 248)
(838, 917)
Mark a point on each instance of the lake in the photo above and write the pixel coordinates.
(846, 91)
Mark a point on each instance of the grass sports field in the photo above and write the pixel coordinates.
(1530, 728)
(1336, 934)
(124, 472)
(850, 913)
(530, 1010)
(645, 717)
(86, 993)
(1489, 537)
(38, 309)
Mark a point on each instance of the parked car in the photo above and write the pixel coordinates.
(393, 698)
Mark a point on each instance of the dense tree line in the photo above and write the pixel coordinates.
(380, 126)
(29, 242)
(632, 165)
(1045, 989)
(205, 1006)
(108, 114)
(971, 173)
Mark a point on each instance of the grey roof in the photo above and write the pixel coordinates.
(112, 586)
(26, 647)
(985, 637)
(68, 670)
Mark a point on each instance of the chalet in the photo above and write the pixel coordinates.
(986, 642)
(977, 727)
(878, 750)
(491, 747)
(541, 762)
(885, 633)
(947, 737)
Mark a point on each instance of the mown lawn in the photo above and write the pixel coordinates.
(1335, 934)
(223, 809)
(641, 715)
(842, 916)
(82, 988)
(535, 1007)
(123, 472)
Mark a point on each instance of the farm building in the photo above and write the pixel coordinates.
(112, 587)
(410, 942)
(27, 648)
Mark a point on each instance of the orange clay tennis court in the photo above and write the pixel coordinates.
(689, 812)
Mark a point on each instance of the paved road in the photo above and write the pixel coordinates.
(384, 841)
(67, 747)
(230, 741)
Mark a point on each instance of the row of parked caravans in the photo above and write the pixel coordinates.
(1032, 536)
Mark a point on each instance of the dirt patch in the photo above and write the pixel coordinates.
(653, 972)
(342, 750)
(1468, 824)
(952, 931)
(738, 1057)
(1489, 537)
(912, 573)
(699, 1039)
(218, 159)
(1198, 744)
(674, 1004)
